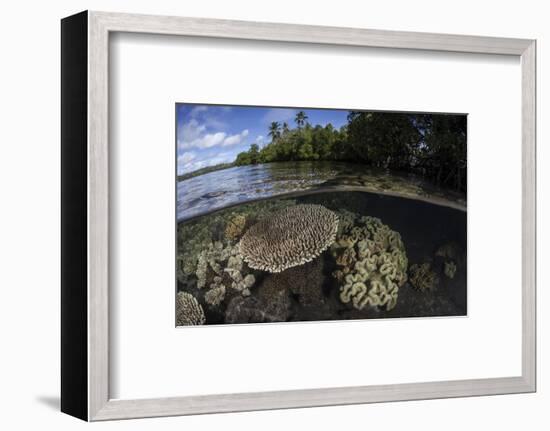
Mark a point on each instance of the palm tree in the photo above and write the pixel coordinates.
(300, 119)
(274, 131)
(286, 129)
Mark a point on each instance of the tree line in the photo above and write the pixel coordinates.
(430, 145)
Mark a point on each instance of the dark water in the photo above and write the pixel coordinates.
(424, 227)
(220, 189)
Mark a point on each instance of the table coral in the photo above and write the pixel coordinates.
(289, 237)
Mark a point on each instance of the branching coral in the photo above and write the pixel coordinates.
(216, 294)
(211, 257)
(188, 310)
(372, 263)
(289, 237)
(218, 260)
(422, 277)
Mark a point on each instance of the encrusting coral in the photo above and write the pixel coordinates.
(372, 263)
(422, 277)
(289, 237)
(188, 310)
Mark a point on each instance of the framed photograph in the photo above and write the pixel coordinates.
(260, 216)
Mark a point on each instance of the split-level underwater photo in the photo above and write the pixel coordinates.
(302, 214)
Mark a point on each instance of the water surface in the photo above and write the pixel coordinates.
(215, 190)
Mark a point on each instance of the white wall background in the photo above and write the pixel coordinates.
(29, 227)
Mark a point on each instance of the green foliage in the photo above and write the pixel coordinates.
(431, 145)
(300, 119)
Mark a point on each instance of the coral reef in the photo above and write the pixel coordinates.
(449, 269)
(216, 294)
(422, 277)
(224, 226)
(235, 227)
(372, 263)
(188, 310)
(211, 258)
(289, 237)
(225, 268)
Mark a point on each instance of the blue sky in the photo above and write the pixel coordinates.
(208, 135)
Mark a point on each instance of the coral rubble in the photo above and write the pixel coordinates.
(372, 263)
(289, 237)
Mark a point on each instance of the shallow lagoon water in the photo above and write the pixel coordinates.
(219, 189)
(424, 228)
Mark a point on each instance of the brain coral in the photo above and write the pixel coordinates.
(372, 263)
(289, 237)
(188, 310)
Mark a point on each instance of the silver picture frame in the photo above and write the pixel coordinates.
(85, 215)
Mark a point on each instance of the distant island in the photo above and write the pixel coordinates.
(206, 170)
(430, 145)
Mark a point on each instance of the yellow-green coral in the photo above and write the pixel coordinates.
(372, 263)
(449, 269)
(422, 277)
(235, 227)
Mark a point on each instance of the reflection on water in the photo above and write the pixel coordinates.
(219, 189)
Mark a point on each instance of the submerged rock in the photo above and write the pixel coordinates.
(254, 309)
(305, 282)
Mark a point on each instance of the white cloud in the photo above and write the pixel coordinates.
(260, 140)
(192, 162)
(193, 136)
(186, 157)
(235, 139)
(190, 131)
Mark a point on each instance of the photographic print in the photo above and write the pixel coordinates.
(308, 214)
